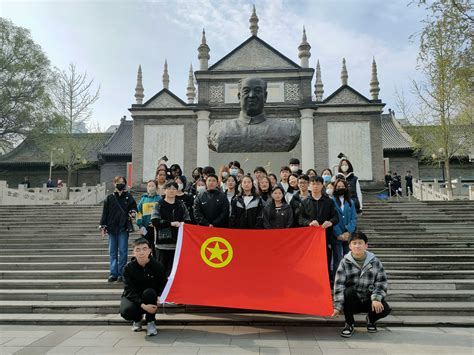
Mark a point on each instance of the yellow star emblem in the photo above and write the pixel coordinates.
(213, 246)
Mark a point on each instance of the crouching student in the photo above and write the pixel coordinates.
(144, 280)
(360, 286)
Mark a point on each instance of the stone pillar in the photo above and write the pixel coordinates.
(307, 139)
(202, 132)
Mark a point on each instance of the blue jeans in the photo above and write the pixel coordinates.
(118, 253)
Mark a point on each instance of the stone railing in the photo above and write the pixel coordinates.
(435, 191)
(84, 195)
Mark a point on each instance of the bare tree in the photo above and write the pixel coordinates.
(73, 96)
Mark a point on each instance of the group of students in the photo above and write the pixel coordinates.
(232, 199)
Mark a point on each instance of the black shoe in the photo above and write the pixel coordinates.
(371, 327)
(120, 279)
(347, 331)
(111, 279)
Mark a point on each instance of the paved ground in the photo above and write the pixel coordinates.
(225, 340)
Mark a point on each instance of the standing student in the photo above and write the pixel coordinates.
(284, 176)
(144, 280)
(409, 183)
(311, 172)
(347, 224)
(326, 174)
(231, 187)
(264, 188)
(161, 178)
(360, 286)
(259, 172)
(167, 216)
(186, 198)
(319, 210)
(119, 209)
(145, 209)
(273, 180)
(247, 207)
(303, 187)
(294, 165)
(277, 213)
(346, 171)
(211, 207)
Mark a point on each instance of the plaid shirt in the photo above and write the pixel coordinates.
(370, 282)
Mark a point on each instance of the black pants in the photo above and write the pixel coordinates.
(150, 238)
(353, 305)
(132, 311)
(166, 258)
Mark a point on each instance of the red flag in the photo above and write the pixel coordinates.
(281, 270)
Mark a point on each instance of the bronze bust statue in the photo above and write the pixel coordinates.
(252, 131)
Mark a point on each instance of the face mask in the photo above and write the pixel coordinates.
(326, 178)
(294, 168)
(225, 174)
(120, 187)
(180, 187)
(344, 168)
(234, 172)
(340, 192)
(151, 191)
(200, 189)
(329, 191)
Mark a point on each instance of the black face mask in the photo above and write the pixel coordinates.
(340, 192)
(120, 187)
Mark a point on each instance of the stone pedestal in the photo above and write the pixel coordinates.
(307, 139)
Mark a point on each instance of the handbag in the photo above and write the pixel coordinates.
(130, 225)
(165, 236)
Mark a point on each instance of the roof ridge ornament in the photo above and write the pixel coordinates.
(166, 77)
(344, 75)
(318, 86)
(139, 88)
(203, 52)
(253, 22)
(374, 82)
(304, 50)
(191, 90)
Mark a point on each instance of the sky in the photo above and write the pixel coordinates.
(109, 39)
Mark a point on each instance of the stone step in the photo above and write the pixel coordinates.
(420, 284)
(429, 274)
(59, 283)
(104, 307)
(426, 265)
(430, 296)
(419, 250)
(54, 274)
(61, 295)
(43, 251)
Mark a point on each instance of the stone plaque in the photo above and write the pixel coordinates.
(352, 139)
(160, 140)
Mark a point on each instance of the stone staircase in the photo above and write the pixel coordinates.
(54, 265)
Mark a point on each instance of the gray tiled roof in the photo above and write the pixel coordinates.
(394, 137)
(37, 150)
(120, 144)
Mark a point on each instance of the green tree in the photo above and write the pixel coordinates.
(24, 79)
(445, 94)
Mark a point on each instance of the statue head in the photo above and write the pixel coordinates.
(252, 95)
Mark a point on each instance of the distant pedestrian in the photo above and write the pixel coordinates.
(409, 183)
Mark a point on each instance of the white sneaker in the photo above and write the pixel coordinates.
(151, 329)
(137, 326)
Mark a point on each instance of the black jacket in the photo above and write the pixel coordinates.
(295, 206)
(137, 279)
(246, 217)
(165, 213)
(320, 210)
(113, 218)
(211, 207)
(189, 202)
(276, 220)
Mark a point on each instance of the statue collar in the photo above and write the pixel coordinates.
(251, 119)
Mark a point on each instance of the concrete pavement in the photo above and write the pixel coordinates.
(89, 340)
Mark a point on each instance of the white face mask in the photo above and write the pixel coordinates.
(234, 172)
(329, 191)
(294, 168)
(344, 168)
(180, 187)
(200, 189)
(225, 174)
(151, 191)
